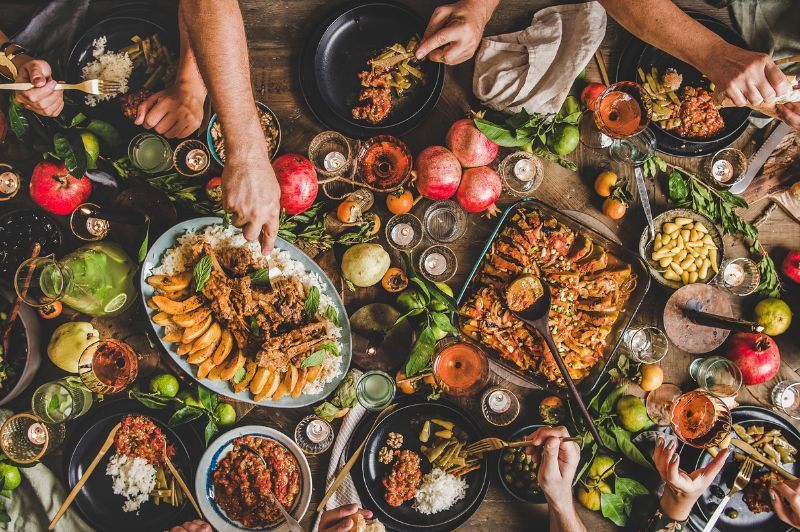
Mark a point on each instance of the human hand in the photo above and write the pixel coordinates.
(683, 489)
(250, 192)
(454, 32)
(43, 99)
(748, 78)
(175, 112)
(790, 113)
(786, 501)
(193, 526)
(341, 519)
(559, 461)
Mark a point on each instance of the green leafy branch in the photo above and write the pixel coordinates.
(185, 412)
(308, 229)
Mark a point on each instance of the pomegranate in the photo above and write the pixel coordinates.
(298, 181)
(479, 189)
(756, 356)
(438, 173)
(55, 190)
(791, 265)
(590, 93)
(471, 147)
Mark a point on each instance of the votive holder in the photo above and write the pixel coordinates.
(404, 231)
(438, 263)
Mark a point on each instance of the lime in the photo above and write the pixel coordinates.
(226, 415)
(10, 476)
(601, 465)
(92, 146)
(165, 384)
(632, 414)
(189, 399)
(410, 301)
(117, 303)
(774, 314)
(565, 139)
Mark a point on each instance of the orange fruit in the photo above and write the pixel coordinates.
(605, 182)
(652, 377)
(614, 208)
(348, 212)
(400, 201)
(405, 387)
(394, 280)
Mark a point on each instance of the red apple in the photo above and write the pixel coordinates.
(55, 190)
(756, 356)
(791, 265)
(590, 93)
(298, 181)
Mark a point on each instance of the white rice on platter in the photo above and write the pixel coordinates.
(439, 491)
(108, 66)
(280, 263)
(133, 478)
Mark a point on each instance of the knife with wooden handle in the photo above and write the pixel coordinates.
(757, 161)
(760, 458)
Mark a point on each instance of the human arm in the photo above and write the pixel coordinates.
(43, 99)
(748, 78)
(341, 519)
(177, 111)
(559, 462)
(455, 30)
(786, 500)
(250, 191)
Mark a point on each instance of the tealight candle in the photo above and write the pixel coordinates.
(435, 263)
(722, 171)
(498, 401)
(37, 434)
(9, 183)
(524, 170)
(317, 430)
(402, 234)
(96, 226)
(733, 275)
(197, 160)
(788, 398)
(333, 161)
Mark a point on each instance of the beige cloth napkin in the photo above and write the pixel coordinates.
(533, 69)
(37, 500)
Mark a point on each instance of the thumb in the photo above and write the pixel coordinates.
(37, 75)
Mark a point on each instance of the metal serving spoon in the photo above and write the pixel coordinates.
(644, 199)
(294, 526)
(536, 316)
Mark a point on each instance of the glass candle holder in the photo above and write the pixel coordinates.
(24, 438)
(647, 345)
(375, 390)
(718, 375)
(521, 172)
(108, 366)
(445, 221)
(10, 182)
(404, 231)
(313, 435)
(85, 226)
(58, 401)
(499, 406)
(726, 167)
(739, 276)
(150, 153)
(191, 158)
(460, 368)
(330, 153)
(786, 398)
(438, 263)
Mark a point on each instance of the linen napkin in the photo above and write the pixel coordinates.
(533, 69)
(346, 494)
(37, 500)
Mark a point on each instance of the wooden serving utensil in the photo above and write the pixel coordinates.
(351, 462)
(81, 481)
(179, 478)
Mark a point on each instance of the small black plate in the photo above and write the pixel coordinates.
(747, 520)
(96, 501)
(339, 49)
(369, 472)
(638, 54)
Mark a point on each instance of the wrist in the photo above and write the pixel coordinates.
(677, 505)
(565, 515)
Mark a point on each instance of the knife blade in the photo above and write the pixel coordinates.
(758, 159)
(760, 458)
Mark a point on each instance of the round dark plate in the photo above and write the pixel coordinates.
(539, 497)
(369, 472)
(96, 501)
(338, 50)
(638, 54)
(16, 239)
(118, 32)
(747, 520)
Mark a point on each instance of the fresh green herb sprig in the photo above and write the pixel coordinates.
(308, 229)
(185, 413)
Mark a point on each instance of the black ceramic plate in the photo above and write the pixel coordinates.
(96, 501)
(369, 472)
(339, 49)
(638, 54)
(746, 520)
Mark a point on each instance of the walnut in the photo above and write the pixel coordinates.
(385, 455)
(394, 440)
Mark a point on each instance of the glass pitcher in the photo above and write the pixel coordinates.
(96, 279)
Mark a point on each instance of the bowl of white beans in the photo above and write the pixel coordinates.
(687, 248)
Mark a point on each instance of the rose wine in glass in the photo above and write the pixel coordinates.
(461, 369)
(622, 110)
(108, 366)
(700, 419)
(384, 162)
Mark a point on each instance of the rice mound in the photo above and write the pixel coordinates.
(439, 491)
(133, 478)
(108, 66)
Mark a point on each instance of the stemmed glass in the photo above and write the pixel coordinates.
(700, 419)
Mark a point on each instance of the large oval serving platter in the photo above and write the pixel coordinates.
(204, 480)
(169, 239)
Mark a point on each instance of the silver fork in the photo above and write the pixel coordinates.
(742, 480)
(90, 86)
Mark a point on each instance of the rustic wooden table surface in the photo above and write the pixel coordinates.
(276, 31)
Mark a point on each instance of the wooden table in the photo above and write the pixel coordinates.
(276, 31)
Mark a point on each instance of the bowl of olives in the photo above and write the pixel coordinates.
(518, 469)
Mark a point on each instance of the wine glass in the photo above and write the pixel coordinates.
(460, 368)
(700, 419)
(108, 366)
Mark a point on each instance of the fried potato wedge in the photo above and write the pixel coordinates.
(313, 373)
(197, 357)
(269, 389)
(259, 380)
(163, 319)
(192, 318)
(170, 283)
(284, 388)
(293, 376)
(152, 304)
(213, 375)
(250, 371)
(232, 366)
(184, 349)
(170, 306)
(205, 368)
(224, 347)
(212, 335)
(190, 334)
(301, 382)
(173, 334)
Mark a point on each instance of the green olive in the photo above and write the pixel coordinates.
(508, 457)
(526, 468)
(520, 458)
(508, 478)
(732, 513)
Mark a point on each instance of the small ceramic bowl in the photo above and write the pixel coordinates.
(501, 464)
(30, 322)
(210, 139)
(669, 216)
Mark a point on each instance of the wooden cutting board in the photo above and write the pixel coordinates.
(780, 172)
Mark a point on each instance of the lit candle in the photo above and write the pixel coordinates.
(435, 263)
(96, 226)
(499, 401)
(733, 274)
(317, 430)
(197, 160)
(37, 434)
(333, 161)
(9, 183)
(524, 170)
(788, 398)
(402, 234)
(722, 171)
